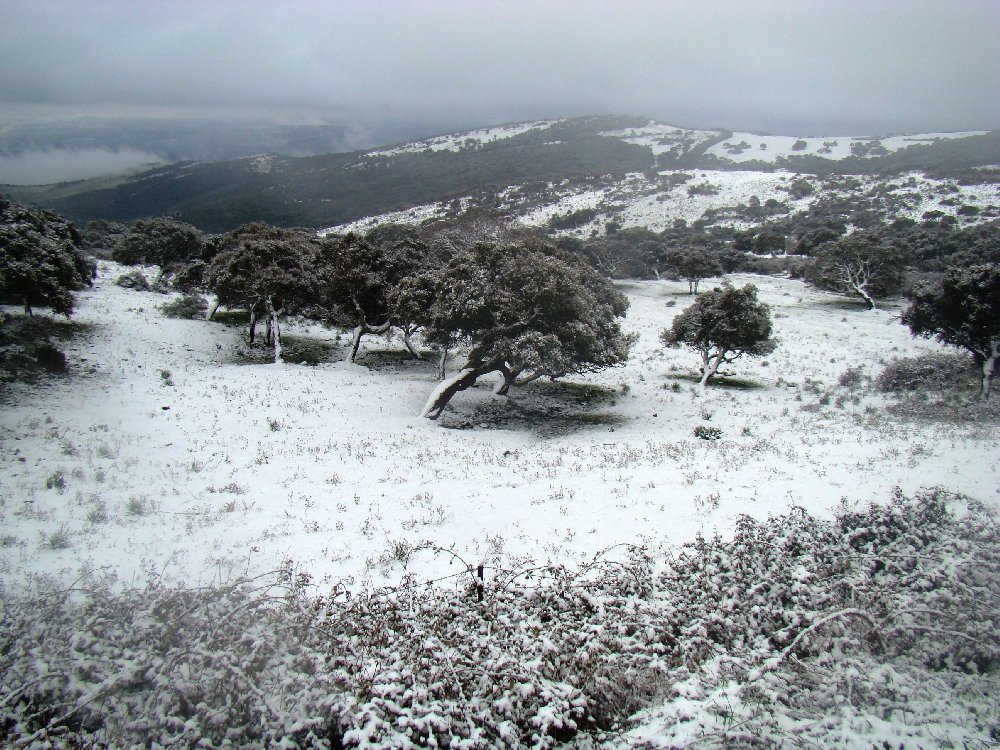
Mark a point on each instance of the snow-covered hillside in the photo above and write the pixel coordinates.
(640, 200)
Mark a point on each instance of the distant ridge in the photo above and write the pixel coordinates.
(319, 191)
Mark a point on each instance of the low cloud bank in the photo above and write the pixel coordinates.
(43, 167)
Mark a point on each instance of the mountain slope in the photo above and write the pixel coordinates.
(334, 189)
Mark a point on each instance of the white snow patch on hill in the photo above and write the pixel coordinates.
(743, 147)
(457, 141)
(662, 138)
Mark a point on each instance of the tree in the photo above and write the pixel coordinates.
(264, 269)
(863, 264)
(42, 261)
(722, 325)
(964, 312)
(356, 280)
(163, 242)
(693, 263)
(524, 310)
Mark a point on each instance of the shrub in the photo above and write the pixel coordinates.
(134, 279)
(189, 306)
(705, 432)
(793, 618)
(800, 145)
(929, 372)
(852, 377)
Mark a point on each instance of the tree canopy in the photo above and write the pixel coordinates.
(162, 241)
(42, 261)
(964, 311)
(864, 264)
(523, 309)
(723, 325)
(259, 266)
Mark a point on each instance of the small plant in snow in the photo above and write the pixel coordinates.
(705, 432)
(166, 377)
(56, 481)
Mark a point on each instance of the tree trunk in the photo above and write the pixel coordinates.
(269, 332)
(867, 297)
(690, 287)
(442, 362)
(989, 366)
(711, 366)
(509, 376)
(253, 323)
(696, 285)
(274, 329)
(28, 311)
(212, 310)
(409, 344)
(441, 395)
(360, 331)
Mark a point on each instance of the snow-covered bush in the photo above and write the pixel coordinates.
(807, 623)
(191, 305)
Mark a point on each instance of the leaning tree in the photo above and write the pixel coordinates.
(42, 261)
(964, 312)
(863, 264)
(722, 325)
(524, 310)
(356, 280)
(264, 268)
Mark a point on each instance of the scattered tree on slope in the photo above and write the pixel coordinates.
(263, 267)
(964, 312)
(42, 261)
(863, 264)
(356, 280)
(722, 325)
(163, 242)
(524, 310)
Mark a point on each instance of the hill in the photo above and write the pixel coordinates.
(480, 165)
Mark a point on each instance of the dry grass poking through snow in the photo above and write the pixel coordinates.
(876, 627)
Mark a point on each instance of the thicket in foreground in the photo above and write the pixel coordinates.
(819, 632)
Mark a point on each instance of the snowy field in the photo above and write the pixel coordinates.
(165, 453)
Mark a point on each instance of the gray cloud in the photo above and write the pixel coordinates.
(817, 67)
(43, 167)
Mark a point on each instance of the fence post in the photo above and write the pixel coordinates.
(479, 583)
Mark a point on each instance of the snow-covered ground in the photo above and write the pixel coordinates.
(176, 459)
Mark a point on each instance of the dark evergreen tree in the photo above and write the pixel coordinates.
(163, 242)
(722, 325)
(42, 260)
(964, 311)
(863, 264)
(265, 270)
(524, 310)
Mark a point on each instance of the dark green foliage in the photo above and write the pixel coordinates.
(101, 236)
(524, 308)
(134, 279)
(964, 312)
(706, 432)
(814, 238)
(163, 242)
(42, 260)
(192, 306)
(28, 347)
(692, 263)
(864, 264)
(928, 372)
(799, 145)
(266, 270)
(769, 243)
(723, 325)
(573, 219)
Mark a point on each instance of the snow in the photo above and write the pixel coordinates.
(743, 147)
(235, 468)
(457, 141)
(661, 137)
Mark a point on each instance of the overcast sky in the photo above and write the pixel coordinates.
(803, 67)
